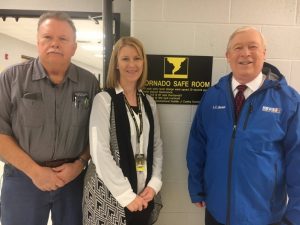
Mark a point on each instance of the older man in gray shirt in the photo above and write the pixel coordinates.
(44, 115)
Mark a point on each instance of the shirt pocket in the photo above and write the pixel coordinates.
(31, 112)
(80, 116)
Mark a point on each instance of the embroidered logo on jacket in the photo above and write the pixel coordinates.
(271, 109)
(219, 107)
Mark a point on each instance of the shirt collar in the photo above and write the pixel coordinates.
(38, 70)
(72, 73)
(119, 89)
(253, 85)
(40, 73)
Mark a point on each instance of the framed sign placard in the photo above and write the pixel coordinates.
(174, 79)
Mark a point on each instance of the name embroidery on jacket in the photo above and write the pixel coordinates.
(219, 107)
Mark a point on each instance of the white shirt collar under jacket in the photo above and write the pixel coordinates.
(252, 85)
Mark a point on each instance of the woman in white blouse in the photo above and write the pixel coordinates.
(125, 144)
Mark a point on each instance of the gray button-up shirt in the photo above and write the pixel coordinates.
(48, 121)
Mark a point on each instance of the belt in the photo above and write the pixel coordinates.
(57, 162)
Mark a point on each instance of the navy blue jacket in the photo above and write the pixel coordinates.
(244, 168)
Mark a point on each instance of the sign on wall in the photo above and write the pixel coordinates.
(178, 79)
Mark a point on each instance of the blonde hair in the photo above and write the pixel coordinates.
(113, 76)
(243, 29)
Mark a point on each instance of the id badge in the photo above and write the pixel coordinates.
(140, 162)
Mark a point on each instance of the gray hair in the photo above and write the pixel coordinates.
(62, 16)
(242, 29)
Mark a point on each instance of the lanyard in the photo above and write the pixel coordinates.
(139, 129)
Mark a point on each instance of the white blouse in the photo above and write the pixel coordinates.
(106, 167)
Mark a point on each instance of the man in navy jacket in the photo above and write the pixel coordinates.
(245, 168)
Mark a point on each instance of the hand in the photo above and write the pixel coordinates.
(45, 179)
(68, 171)
(138, 204)
(200, 204)
(147, 194)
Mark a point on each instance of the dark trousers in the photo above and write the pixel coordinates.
(23, 203)
(139, 217)
(210, 220)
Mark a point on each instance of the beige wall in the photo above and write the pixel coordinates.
(202, 27)
(14, 49)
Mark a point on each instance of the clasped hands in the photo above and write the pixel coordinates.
(50, 179)
(141, 201)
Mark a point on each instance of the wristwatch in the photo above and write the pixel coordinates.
(83, 162)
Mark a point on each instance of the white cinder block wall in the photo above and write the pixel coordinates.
(202, 27)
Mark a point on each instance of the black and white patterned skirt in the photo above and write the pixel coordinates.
(99, 205)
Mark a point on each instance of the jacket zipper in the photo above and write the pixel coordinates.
(231, 152)
(229, 178)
